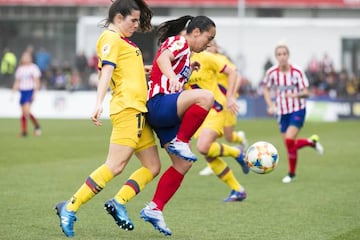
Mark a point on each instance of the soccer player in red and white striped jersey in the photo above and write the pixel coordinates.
(290, 86)
(27, 81)
(289, 83)
(159, 82)
(175, 114)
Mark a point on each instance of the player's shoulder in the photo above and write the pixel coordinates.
(212, 57)
(223, 56)
(109, 36)
(224, 59)
(272, 70)
(177, 42)
(107, 41)
(209, 54)
(297, 68)
(205, 58)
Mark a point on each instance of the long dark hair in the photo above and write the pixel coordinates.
(125, 7)
(187, 22)
(172, 27)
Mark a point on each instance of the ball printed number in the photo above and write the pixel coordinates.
(262, 157)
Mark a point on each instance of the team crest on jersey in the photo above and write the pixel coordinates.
(186, 72)
(179, 44)
(106, 49)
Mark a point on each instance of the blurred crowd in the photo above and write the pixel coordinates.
(81, 74)
(326, 81)
(78, 74)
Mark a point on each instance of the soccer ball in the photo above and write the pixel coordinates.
(262, 157)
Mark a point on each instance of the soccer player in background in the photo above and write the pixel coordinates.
(175, 114)
(121, 67)
(213, 126)
(27, 81)
(230, 134)
(290, 85)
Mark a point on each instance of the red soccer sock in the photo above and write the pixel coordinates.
(292, 154)
(194, 116)
(23, 124)
(34, 121)
(303, 142)
(168, 184)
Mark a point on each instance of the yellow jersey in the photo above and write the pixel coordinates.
(223, 78)
(128, 82)
(206, 76)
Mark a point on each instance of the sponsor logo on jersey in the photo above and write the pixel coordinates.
(185, 73)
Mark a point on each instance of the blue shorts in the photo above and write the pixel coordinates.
(26, 96)
(162, 116)
(296, 119)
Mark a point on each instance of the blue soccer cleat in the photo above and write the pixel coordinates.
(241, 160)
(154, 216)
(119, 213)
(181, 149)
(236, 196)
(67, 219)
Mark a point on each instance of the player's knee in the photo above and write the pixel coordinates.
(202, 149)
(155, 170)
(207, 99)
(181, 165)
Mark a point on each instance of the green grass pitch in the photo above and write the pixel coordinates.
(322, 203)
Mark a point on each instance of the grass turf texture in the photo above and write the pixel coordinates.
(322, 203)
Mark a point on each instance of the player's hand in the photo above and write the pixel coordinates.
(147, 69)
(95, 117)
(232, 105)
(271, 110)
(175, 85)
(195, 66)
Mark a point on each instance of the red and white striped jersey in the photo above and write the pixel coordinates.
(158, 82)
(27, 74)
(293, 81)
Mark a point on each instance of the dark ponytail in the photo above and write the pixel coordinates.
(172, 27)
(146, 15)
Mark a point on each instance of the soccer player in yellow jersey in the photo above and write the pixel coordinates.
(230, 118)
(213, 126)
(122, 69)
(230, 134)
